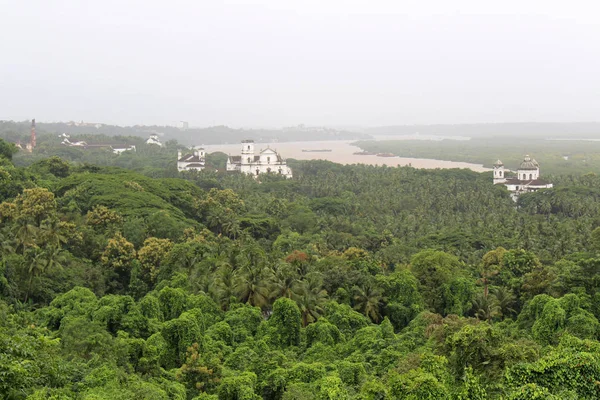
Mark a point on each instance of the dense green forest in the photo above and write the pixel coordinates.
(556, 157)
(346, 282)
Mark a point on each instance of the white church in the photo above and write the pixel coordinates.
(153, 139)
(196, 160)
(526, 180)
(265, 162)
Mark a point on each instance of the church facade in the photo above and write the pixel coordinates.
(265, 162)
(527, 178)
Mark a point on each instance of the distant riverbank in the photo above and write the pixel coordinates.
(342, 152)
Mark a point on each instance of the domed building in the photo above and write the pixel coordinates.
(527, 178)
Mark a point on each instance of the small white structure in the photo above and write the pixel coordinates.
(118, 149)
(526, 180)
(67, 142)
(153, 139)
(267, 161)
(194, 161)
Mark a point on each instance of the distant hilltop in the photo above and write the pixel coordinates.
(546, 130)
(191, 136)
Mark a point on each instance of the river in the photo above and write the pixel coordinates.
(342, 152)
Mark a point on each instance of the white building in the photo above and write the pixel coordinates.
(526, 180)
(118, 149)
(265, 162)
(193, 161)
(67, 142)
(153, 139)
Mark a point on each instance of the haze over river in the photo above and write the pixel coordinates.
(342, 153)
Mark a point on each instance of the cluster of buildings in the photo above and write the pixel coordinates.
(527, 178)
(115, 148)
(250, 162)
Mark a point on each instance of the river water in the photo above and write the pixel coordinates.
(342, 153)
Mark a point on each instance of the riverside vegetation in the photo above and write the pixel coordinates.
(347, 282)
(557, 157)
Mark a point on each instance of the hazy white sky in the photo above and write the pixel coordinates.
(279, 62)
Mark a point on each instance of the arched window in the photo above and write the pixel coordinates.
(257, 171)
(248, 160)
(268, 160)
(530, 176)
(248, 147)
(500, 174)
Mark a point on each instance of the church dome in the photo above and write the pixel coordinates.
(498, 163)
(529, 163)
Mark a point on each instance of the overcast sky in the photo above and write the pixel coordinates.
(317, 62)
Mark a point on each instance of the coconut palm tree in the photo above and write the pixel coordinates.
(368, 299)
(52, 232)
(24, 235)
(5, 244)
(40, 261)
(223, 286)
(311, 298)
(251, 285)
(284, 282)
(505, 301)
(485, 307)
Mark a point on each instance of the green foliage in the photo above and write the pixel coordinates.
(437, 273)
(416, 385)
(285, 323)
(7, 149)
(573, 366)
(240, 387)
(549, 318)
(354, 282)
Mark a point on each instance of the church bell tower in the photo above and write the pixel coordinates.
(247, 151)
(499, 176)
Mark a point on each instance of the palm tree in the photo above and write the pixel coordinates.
(504, 300)
(485, 307)
(368, 300)
(231, 226)
(5, 245)
(41, 261)
(311, 298)
(52, 232)
(251, 285)
(284, 282)
(223, 286)
(25, 235)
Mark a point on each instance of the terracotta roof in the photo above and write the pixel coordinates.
(194, 165)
